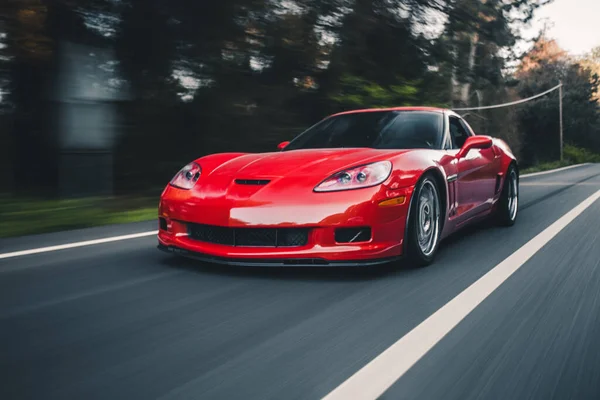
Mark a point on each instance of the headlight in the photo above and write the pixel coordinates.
(187, 177)
(357, 177)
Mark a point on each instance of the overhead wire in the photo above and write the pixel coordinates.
(512, 103)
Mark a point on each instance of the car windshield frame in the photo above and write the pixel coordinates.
(383, 122)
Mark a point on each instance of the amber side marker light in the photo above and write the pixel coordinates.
(396, 201)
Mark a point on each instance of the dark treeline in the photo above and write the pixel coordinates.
(124, 92)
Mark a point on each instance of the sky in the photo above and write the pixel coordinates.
(575, 24)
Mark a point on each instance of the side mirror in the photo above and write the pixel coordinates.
(474, 142)
(282, 145)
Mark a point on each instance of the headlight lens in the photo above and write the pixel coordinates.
(357, 177)
(187, 177)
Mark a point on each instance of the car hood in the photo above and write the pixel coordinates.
(319, 163)
(248, 180)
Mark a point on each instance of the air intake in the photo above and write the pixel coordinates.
(162, 224)
(353, 235)
(255, 182)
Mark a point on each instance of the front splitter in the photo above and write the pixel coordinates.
(278, 262)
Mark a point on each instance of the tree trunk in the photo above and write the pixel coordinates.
(466, 87)
(461, 85)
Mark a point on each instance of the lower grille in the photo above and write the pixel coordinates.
(250, 237)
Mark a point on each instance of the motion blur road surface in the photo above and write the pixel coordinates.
(123, 320)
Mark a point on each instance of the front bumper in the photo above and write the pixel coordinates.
(321, 214)
(277, 262)
(385, 243)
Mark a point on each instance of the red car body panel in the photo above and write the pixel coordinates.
(469, 190)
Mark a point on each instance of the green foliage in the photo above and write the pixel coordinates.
(546, 166)
(572, 155)
(578, 155)
(19, 216)
(539, 120)
(357, 92)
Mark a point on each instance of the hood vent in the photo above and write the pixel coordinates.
(255, 182)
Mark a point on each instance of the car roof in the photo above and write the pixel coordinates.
(433, 109)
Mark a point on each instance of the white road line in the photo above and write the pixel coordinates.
(559, 184)
(550, 171)
(377, 376)
(76, 244)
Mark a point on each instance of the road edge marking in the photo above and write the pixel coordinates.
(550, 171)
(375, 378)
(76, 244)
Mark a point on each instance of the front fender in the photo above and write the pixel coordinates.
(507, 155)
(210, 162)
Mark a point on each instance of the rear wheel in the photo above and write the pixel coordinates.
(424, 223)
(508, 205)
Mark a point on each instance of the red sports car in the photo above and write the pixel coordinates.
(358, 188)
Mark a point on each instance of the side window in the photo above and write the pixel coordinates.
(467, 127)
(458, 133)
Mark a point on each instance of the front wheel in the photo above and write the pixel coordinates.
(508, 205)
(424, 223)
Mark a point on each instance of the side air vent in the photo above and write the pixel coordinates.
(498, 182)
(256, 182)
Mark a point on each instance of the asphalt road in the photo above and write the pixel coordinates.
(122, 320)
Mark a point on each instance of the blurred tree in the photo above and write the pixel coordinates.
(478, 38)
(544, 51)
(6, 108)
(242, 75)
(474, 52)
(34, 31)
(145, 48)
(591, 61)
(380, 59)
(30, 48)
(543, 67)
(356, 92)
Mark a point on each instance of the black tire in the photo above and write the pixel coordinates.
(507, 211)
(415, 253)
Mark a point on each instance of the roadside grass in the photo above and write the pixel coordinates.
(572, 155)
(547, 166)
(19, 216)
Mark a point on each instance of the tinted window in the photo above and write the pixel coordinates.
(467, 127)
(458, 134)
(379, 130)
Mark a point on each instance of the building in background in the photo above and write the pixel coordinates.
(86, 119)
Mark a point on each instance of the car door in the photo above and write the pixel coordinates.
(475, 178)
(483, 167)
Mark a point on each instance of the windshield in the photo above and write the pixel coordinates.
(378, 130)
